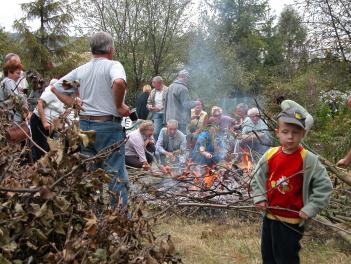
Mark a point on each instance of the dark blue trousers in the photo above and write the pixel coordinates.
(280, 242)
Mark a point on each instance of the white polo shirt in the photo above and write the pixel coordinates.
(53, 107)
(96, 78)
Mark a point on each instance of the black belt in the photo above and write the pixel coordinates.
(105, 118)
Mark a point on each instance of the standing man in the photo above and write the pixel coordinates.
(102, 90)
(177, 101)
(155, 104)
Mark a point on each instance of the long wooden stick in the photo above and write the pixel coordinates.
(340, 231)
(343, 176)
(319, 219)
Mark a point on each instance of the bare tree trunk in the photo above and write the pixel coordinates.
(341, 48)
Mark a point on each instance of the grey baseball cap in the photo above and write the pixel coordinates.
(293, 116)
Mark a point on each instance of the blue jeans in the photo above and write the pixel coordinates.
(157, 118)
(108, 133)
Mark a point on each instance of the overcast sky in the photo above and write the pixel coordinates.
(11, 10)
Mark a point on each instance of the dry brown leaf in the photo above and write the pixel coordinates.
(91, 225)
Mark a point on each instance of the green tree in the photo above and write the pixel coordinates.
(292, 36)
(147, 33)
(286, 50)
(241, 23)
(6, 44)
(47, 44)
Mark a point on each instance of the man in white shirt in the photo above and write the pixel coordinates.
(155, 104)
(102, 90)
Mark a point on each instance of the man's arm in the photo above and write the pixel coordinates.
(42, 116)
(252, 136)
(159, 144)
(138, 145)
(58, 89)
(71, 76)
(64, 98)
(119, 89)
(344, 162)
(184, 98)
(149, 100)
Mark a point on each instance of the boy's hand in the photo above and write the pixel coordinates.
(303, 215)
(262, 206)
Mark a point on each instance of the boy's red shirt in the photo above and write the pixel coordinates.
(284, 182)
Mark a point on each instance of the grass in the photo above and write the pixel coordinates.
(234, 240)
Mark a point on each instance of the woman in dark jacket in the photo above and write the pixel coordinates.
(141, 102)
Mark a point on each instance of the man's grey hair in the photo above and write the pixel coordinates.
(172, 122)
(101, 43)
(253, 111)
(9, 56)
(183, 74)
(157, 79)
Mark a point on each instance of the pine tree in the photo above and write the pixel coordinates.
(47, 44)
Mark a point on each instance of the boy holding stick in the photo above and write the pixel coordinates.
(290, 185)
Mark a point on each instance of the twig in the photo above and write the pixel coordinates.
(30, 138)
(227, 206)
(19, 190)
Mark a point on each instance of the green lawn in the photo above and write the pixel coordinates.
(235, 241)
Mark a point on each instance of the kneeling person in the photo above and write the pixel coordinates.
(171, 142)
(140, 146)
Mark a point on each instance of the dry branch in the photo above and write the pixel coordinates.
(340, 173)
(337, 228)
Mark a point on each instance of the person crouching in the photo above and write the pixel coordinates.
(209, 148)
(140, 146)
(171, 143)
(49, 108)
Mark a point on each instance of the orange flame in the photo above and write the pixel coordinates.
(210, 177)
(197, 181)
(246, 163)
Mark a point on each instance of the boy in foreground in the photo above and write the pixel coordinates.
(291, 186)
